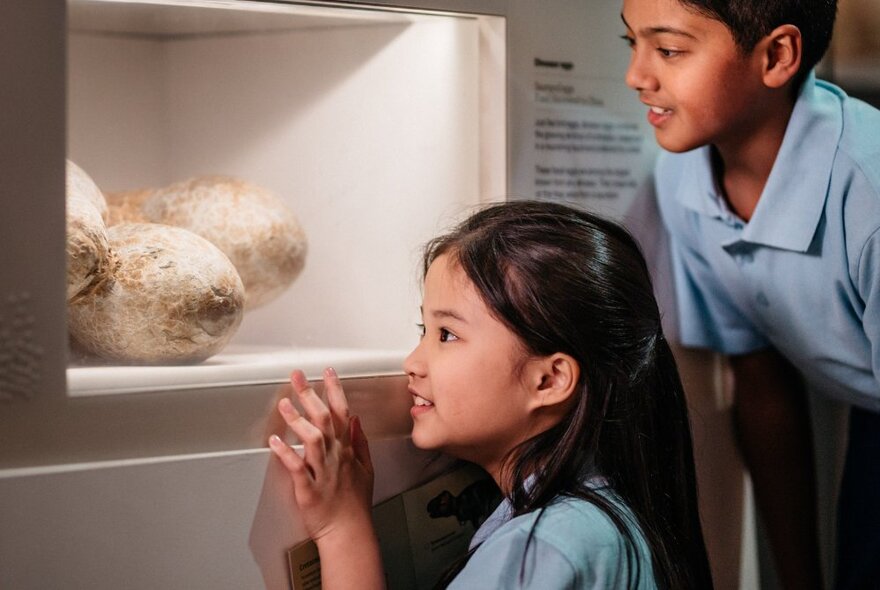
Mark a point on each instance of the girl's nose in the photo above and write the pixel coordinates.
(638, 75)
(413, 365)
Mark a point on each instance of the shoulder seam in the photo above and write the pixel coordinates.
(860, 164)
(871, 237)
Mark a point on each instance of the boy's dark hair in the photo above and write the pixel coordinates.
(564, 280)
(749, 21)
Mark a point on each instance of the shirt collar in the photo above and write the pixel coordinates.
(504, 511)
(793, 199)
(699, 190)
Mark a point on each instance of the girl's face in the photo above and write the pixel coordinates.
(698, 86)
(466, 374)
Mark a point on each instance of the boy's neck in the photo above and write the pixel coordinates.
(741, 167)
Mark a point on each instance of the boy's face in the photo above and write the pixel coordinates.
(699, 87)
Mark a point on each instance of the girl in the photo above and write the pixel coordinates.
(542, 360)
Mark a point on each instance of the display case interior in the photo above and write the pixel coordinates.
(375, 129)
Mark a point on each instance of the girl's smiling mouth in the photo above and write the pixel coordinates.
(420, 405)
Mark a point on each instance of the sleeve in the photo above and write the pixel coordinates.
(642, 218)
(869, 290)
(707, 317)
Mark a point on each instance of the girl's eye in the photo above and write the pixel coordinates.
(629, 40)
(421, 328)
(668, 52)
(446, 335)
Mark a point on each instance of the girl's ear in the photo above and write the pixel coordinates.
(782, 53)
(555, 378)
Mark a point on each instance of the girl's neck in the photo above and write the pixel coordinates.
(742, 165)
(503, 474)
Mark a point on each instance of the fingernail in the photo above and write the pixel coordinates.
(331, 372)
(275, 441)
(299, 380)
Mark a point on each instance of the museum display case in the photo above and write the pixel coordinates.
(134, 418)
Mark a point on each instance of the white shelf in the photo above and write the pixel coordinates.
(237, 366)
(178, 19)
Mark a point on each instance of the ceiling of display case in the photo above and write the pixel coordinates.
(177, 19)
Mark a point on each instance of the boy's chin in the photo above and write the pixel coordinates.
(675, 145)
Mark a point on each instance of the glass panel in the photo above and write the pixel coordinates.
(364, 124)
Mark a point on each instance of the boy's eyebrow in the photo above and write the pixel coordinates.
(648, 31)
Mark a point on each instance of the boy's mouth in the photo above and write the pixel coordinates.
(658, 115)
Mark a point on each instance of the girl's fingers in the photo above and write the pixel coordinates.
(338, 405)
(317, 412)
(303, 481)
(292, 462)
(359, 444)
(312, 438)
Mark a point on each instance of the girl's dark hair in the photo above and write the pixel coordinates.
(564, 280)
(749, 21)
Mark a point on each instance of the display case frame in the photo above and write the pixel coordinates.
(75, 411)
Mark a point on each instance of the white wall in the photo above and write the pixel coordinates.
(369, 133)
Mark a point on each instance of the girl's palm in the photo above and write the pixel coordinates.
(333, 480)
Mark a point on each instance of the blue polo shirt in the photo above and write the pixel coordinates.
(803, 275)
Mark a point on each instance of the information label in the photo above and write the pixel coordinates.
(587, 145)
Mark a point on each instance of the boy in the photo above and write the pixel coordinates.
(770, 191)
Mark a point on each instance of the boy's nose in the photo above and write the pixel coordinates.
(638, 75)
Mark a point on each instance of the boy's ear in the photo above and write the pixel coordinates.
(555, 378)
(782, 53)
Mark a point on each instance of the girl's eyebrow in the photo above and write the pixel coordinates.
(649, 31)
(446, 313)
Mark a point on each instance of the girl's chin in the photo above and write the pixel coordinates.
(420, 443)
(423, 441)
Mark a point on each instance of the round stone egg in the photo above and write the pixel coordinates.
(174, 298)
(250, 224)
(90, 262)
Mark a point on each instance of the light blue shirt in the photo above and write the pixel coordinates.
(574, 545)
(803, 275)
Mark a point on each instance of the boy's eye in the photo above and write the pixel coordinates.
(421, 328)
(668, 52)
(446, 335)
(629, 40)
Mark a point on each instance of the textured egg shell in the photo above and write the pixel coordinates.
(126, 206)
(81, 184)
(175, 299)
(90, 261)
(251, 225)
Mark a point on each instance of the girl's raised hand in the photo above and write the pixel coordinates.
(333, 480)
